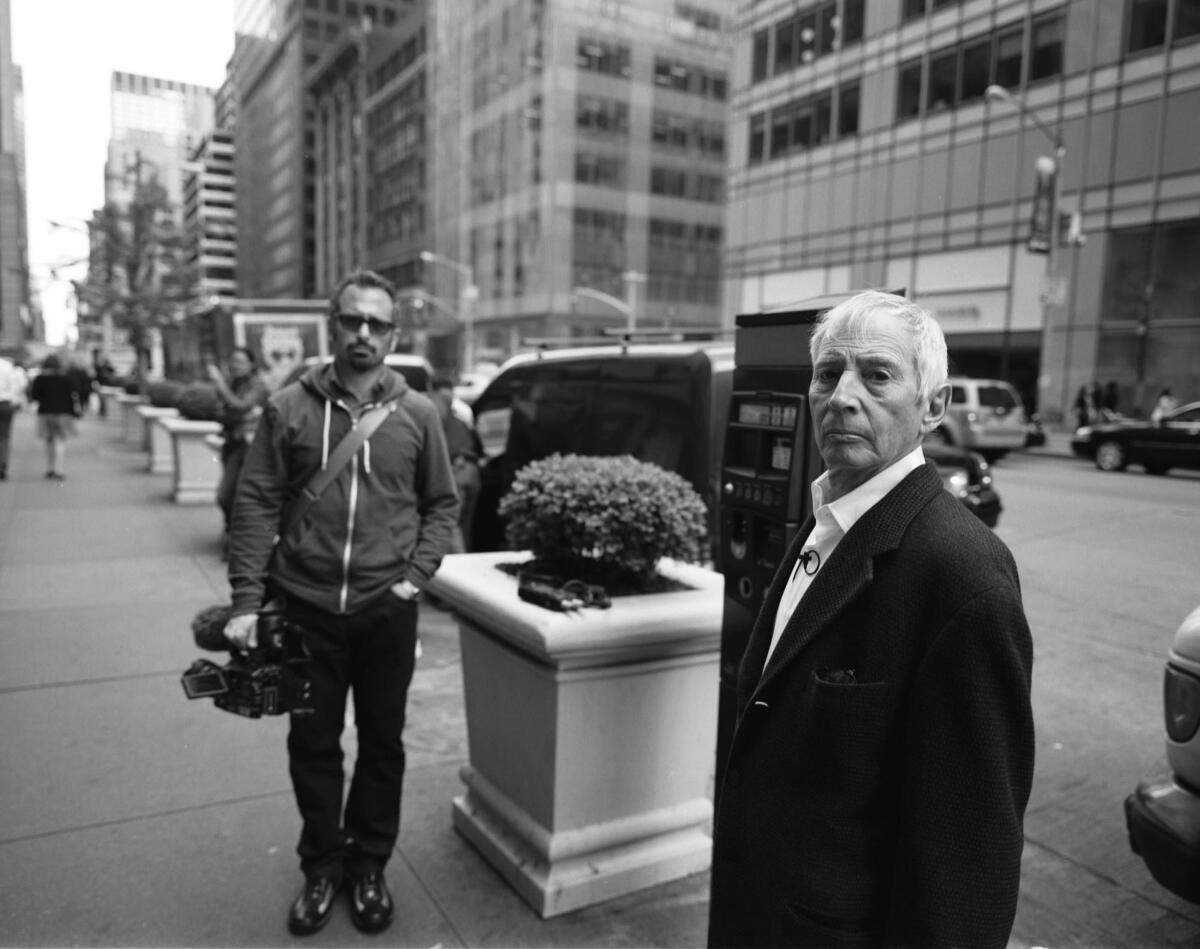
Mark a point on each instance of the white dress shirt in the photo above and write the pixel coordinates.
(833, 521)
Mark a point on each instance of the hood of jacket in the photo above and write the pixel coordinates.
(321, 381)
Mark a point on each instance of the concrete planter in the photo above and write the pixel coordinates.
(157, 440)
(592, 734)
(133, 430)
(197, 464)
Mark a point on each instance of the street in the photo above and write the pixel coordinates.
(1108, 568)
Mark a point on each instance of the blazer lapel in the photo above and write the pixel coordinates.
(849, 569)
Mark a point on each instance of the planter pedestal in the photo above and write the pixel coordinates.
(197, 464)
(592, 734)
(157, 440)
(133, 430)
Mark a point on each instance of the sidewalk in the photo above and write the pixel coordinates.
(130, 816)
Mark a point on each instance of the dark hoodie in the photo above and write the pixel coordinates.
(388, 516)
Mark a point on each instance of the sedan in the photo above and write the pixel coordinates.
(968, 477)
(1172, 443)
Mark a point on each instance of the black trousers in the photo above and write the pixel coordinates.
(372, 653)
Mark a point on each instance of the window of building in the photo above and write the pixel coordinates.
(602, 115)
(609, 59)
(785, 45)
(909, 94)
(1046, 49)
(976, 69)
(332, 6)
(759, 55)
(848, 107)
(1009, 48)
(758, 137)
(912, 9)
(1187, 19)
(605, 170)
(943, 75)
(1147, 24)
(668, 181)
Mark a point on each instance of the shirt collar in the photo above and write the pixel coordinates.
(847, 509)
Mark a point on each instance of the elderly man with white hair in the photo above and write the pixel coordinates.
(876, 782)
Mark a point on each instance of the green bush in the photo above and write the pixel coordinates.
(604, 519)
(164, 393)
(199, 401)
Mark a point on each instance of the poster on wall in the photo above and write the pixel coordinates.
(281, 341)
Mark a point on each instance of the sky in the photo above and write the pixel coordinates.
(68, 51)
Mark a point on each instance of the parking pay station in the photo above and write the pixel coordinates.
(770, 460)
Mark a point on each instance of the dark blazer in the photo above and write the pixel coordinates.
(886, 811)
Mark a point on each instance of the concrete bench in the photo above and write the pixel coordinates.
(197, 463)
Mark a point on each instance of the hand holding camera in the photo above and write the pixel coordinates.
(242, 631)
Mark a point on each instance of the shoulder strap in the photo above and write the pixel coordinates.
(345, 450)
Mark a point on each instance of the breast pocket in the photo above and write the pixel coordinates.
(844, 757)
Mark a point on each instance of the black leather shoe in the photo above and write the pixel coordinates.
(370, 902)
(311, 910)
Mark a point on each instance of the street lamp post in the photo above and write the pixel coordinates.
(1052, 290)
(468, 295)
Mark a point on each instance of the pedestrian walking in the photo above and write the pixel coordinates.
(350, 559)
(465, 448)
(242, 397)
(13, 383)
(876, 782)
(57, 396)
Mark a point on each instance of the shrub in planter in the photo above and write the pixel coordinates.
(606, 520)
(199, 401)
(164, 393)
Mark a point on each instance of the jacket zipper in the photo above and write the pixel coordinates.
(350, 511)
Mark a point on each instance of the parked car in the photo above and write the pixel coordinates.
(1173, 443)
(1163, 814)
(662, 402)
(416, 369)
(984, 415)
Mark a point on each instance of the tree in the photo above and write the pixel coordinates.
(137, 274)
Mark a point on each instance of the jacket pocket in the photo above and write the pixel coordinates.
(844, 760)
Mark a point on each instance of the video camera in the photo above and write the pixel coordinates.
(271, 679)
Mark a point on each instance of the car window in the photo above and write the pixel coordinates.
(958, 395)
(610, 406)
(1191, 415)
(996, 397)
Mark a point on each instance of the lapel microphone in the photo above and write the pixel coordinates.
(810, 560)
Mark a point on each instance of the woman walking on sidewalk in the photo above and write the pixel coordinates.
(58, 405)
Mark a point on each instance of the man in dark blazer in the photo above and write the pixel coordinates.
(877, 779)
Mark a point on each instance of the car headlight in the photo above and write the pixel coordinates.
(1084, 432)
(1181, 704)
(958, 482)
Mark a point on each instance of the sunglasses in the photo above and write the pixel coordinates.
(353, 322)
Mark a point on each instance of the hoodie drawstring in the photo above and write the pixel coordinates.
(325, 437)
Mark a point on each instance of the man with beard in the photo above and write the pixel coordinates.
(350, 570)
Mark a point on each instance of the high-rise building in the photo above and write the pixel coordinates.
(277, 40)
(156, 125)
(209, 216)
(931, 145)
(15, 315)
(579, 152)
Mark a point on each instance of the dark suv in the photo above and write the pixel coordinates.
(660, 402)
(665, 402)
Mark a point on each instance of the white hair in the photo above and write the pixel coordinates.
(848, 318)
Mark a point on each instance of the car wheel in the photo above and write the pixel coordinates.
(991, 457)
(939, 436)
(1110, 456)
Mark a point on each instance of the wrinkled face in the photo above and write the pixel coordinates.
(362, 329)
(866, 409)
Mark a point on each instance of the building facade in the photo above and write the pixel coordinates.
(277, 42)
(209, 216)
(16, 321)
(578, 145)
(867, 150)
(156, 125)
